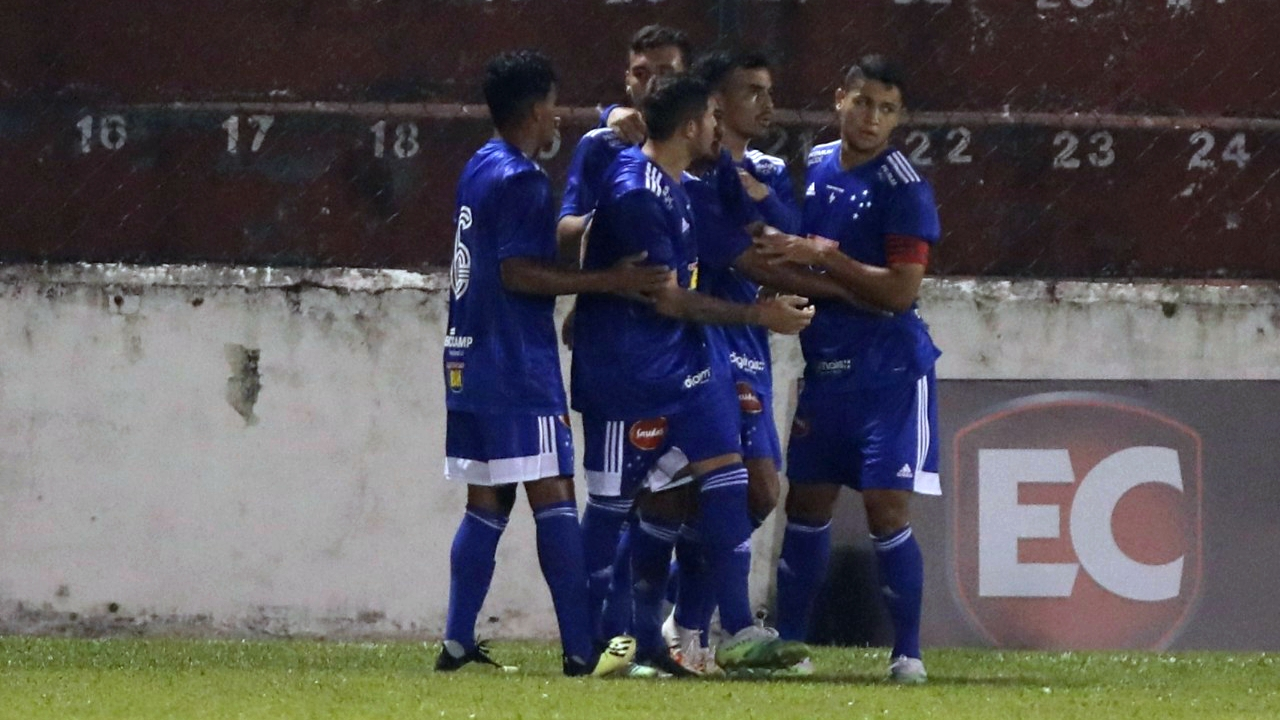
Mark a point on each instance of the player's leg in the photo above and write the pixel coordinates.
(902, 460)
(606, 512)
(616, 616)
(821, 456)
(659, 519)
(472, 559)
(713, 448)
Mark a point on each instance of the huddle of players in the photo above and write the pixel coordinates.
(678, 225)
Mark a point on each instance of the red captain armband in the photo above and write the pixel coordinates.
(906, 250)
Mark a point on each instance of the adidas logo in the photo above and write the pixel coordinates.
(905, 472)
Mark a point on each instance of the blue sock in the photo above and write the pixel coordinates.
(693, 600)
(560, 555)
(726, 540)
(652, 541)
(673, 574)
(601, 525)
(801, 570)
(902, 582)
(617, 606)
(471, 562)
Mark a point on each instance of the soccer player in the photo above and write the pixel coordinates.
(654, 400)
(731, 269)
(743, 82)
(655, 51)
(867, 413)
(507, 421)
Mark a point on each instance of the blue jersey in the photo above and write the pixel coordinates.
(595, 152)
(501, 353)
(779, 209)
(721, 210)
(629, 361)
(846, 348)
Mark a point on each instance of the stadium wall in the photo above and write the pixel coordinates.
(218, 450)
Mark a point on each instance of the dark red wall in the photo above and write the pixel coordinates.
(1139, 202)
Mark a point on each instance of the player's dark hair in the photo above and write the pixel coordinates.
(878, 68)
(672, 101)
(656, 36)
(715, 67)
(513, 82)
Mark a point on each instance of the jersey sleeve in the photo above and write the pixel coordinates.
(912, 212)
(523, 224)
(581, 191)
(737, 204)
(642, 226)
(604, 114)
(780, 208)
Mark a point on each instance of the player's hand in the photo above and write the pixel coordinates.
(628, 124)
(786, 314)
(632, 279)
(756, 190)
(779, 247)
(566, 329)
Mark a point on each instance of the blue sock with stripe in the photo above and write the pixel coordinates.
(471, 562)
(563, 567)
(725, 529)
(602, 522)
(802, 567)
(902, 583)
(693, 598)
(617, 606)
(652, 541)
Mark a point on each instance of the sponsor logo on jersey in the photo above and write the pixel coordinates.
(457, 341)
(454, 370)
(1077, 523)
(832, 367)
(748, 401)
(647, 435)
(746, 364)
(460, 269)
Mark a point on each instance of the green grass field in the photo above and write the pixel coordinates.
(124, 678)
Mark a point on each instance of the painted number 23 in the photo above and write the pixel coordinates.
(1103, 154)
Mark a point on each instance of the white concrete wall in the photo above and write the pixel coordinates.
(144, 486)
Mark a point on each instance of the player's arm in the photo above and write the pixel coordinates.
(527, 262)
(570, 231)
(580, 196)
(791, 278)
(626, 122)
(629, 277)
(787, 314)
(893, 288)
(910, 226)
(775, 200)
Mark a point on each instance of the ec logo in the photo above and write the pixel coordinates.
(1077, 523)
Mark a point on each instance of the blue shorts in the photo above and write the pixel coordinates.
(500, 449)
(625, 456)
(759, 431)
(881, 438)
